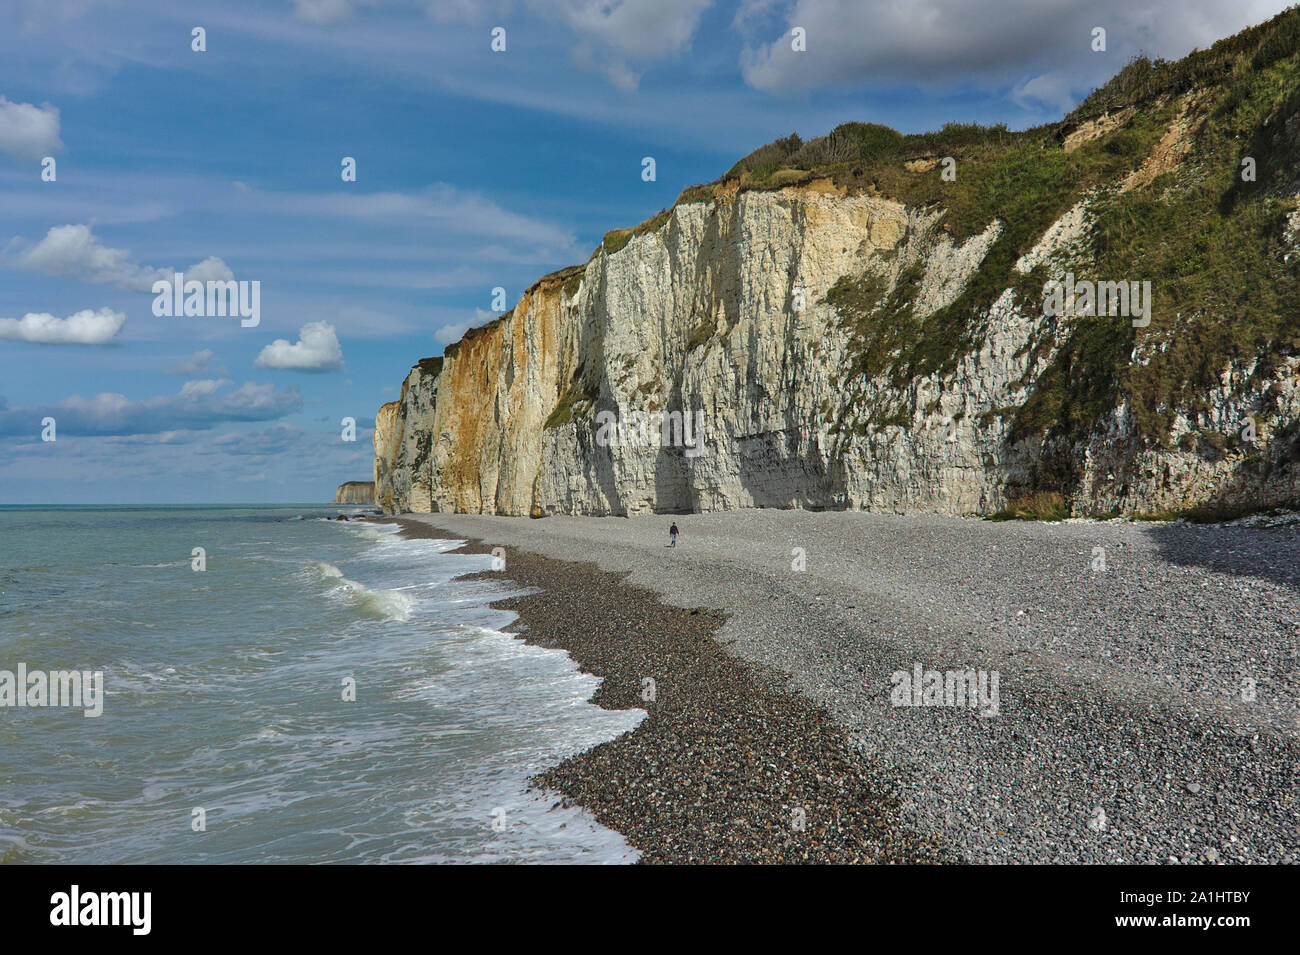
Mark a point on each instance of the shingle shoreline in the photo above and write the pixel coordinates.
(728, 767)
(1126, 732)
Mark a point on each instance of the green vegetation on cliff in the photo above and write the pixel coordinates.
(564, 409)
(1211, 242)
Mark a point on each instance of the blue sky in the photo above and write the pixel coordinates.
(475, 169)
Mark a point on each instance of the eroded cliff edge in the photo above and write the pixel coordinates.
(872, 335)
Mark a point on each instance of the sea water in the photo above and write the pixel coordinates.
(322, 691)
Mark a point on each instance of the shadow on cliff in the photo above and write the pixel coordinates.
(1257, 482)
(799, 481)
(672, 483)
(802, 480)
(601, 473)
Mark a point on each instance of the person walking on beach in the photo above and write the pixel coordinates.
(672, 535)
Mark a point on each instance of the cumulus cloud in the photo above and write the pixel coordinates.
(618, 36)
(325, 12)
(211, 269)
(178, 437)
(75, 252)
(317, 349)
(86, 327)
(198, 406)
(615, 69)
(749, 11)
(929, 41)
(1050, 89)
(27, 132)
(643, 28)
(329, 12)
(467, 11)
(454, 331)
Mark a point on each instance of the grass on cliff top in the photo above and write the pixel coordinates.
(861, 157)
(430, 366)
(1253, 49)
(569, 278)
(871, 157)
(617, 239)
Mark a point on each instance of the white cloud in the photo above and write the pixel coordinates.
(182, 436)
(27, 132)
(211, 269)
(202, 387)
(647, 29)
(932, 41)
(614, 36)
(196, 407)
(752, 11)
(451, 333)
(454, 331)
(618, 35)
(75, 252)
(86, 327)
(317, 349)
(615, 69)
(328, 12)
(468, 11)
(1051, 89)
(44, 13)
(276, 439)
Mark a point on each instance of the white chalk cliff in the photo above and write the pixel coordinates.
(701, 315)
(736, 310)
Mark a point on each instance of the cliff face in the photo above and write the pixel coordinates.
(355, 492)
(631, 337)
(838, 347)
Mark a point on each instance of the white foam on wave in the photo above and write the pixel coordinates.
(379, 603)
(500, 709)
(368, 530)
(372, 602)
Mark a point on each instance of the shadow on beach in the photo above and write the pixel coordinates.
(1271, 554)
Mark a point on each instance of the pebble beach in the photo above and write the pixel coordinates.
(1147, 678)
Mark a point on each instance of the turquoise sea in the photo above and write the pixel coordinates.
(224, 691)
